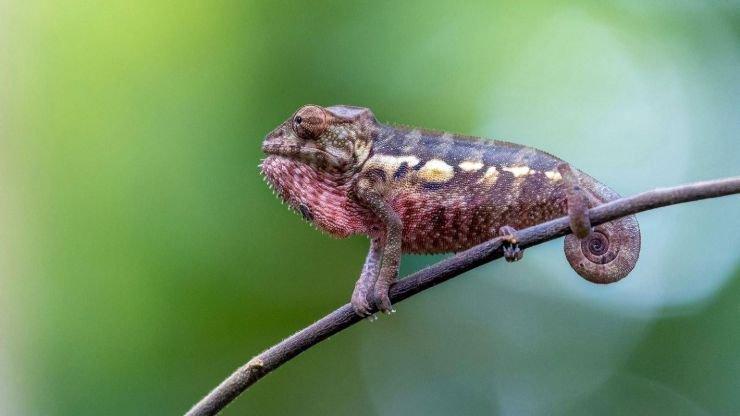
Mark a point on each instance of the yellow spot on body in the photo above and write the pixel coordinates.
(553, 175)
(518, 171)
(436, 170)
(470, 166)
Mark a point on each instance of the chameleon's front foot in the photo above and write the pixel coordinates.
(382, 300)
(364, 286)
(359, 301)
(512, 252)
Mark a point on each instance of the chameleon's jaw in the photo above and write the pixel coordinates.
(310, 156)
(279, 149)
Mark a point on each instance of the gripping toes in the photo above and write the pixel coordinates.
(382, 301)
(512, 252)
(364, 285)
(360, 303)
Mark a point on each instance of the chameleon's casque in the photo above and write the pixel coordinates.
(419, 191)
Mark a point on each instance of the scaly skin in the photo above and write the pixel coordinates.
(419, 191)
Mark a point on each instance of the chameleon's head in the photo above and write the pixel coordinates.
(332, 139)
(311, 159)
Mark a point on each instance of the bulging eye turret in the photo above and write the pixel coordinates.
(309, 122)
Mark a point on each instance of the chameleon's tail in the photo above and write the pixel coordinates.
(611, 251)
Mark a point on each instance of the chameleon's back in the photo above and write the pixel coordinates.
(453, 192)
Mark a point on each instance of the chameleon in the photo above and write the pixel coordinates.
(414, 190)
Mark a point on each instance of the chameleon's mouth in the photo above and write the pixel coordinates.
(308, 155)
(278, 149)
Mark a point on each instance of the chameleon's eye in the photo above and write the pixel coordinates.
(309, 122)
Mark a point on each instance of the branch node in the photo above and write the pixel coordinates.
(255, 364)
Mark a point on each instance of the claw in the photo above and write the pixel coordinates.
(382, 301)
(360, 305)
(513, 253)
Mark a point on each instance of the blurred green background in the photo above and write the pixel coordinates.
(142, 258)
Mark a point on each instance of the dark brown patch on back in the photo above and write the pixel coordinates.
(401, 172)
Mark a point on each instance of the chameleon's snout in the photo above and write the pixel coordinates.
(267, 147)
(270, 148)
(279, 142)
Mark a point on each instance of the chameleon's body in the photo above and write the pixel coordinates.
(417, 191)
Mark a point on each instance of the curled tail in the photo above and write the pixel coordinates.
(611, 251)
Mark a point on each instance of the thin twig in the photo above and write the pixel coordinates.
(345, 317)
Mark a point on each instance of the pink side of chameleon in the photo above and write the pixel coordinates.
(433, 222)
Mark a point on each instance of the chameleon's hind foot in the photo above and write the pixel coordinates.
(512, 252)
(580, 222)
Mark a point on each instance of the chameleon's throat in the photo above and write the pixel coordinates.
(321, 194)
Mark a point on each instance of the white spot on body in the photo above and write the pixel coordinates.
(470, 166)
(490, 176)
(518, 171)
(553, 175)
(396, 161)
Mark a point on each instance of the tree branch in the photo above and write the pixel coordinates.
(433, 275)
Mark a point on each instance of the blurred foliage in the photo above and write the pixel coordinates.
(142, 259)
